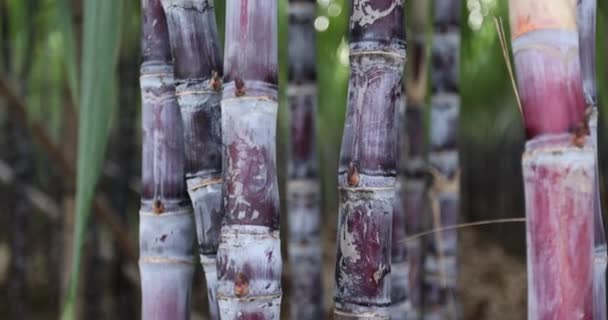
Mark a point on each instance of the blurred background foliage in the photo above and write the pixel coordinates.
(70, 141)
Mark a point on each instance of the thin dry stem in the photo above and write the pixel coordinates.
(464, 225)
(503, 44)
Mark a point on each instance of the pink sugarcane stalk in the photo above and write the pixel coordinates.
(367, 172)
(249, 254)
(558, 181)
(441, 260)
(559, 164)
(198, 71)
(586, 26)
(166, 231)
(303, 187)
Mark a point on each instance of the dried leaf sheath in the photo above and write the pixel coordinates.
(303, 187)
(249, 255)
(198, 71)
(166, 228)
(441, 261)
(367, 173)
(559, 167)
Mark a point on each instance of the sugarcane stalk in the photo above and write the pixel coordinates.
(558, 180)
(198, 70)
(559, 163)
(586, 19)
(249, 257)
(303, 186)
(411, 170)
(406, 257)
(556, 34)
(166, 231)
(401, 306)
(367, 171)
(441, 262)
(414, 200)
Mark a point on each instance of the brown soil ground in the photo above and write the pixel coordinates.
(493, 283)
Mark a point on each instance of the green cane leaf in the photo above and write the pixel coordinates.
(63, 14)
(101, 38)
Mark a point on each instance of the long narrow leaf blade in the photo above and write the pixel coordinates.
(63, 15)
(101, 37)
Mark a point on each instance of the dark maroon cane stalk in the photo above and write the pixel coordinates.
(249, 254)
(367, 172)
(198, 71)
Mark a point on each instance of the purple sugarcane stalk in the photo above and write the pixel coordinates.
(166, 230)
(404, 256)
(587, 10)
(303, 187)
(559, 164)
(411, 165)
(249, 255)
(441, 261)
(410, 200)
(198, 71)
(413, 200)
(367, 172)
(400, 294)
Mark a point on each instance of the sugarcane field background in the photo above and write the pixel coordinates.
(200, 159)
